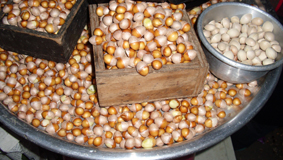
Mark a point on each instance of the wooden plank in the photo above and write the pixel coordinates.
(98, 56)
(135, 88)
(74, 28)
(195, 40)
(125, 86)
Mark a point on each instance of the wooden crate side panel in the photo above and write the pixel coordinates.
(97, 50)
(204, 66)
(193, 37)
(24, 43)
(134, 88)
(74, 29)
(200, 56)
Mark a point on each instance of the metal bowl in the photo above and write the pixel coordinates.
(223, 67)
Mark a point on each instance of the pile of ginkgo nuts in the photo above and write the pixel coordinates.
(197, 10)
(61, 100)
(40, 15)
(142, 34)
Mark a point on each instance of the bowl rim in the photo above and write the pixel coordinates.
(222, 57)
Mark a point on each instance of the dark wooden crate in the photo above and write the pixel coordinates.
(56, 47)
(126, 86)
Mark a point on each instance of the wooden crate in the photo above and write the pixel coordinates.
(56, 47)
(126, 86)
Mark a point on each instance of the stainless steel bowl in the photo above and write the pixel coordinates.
(223, 67)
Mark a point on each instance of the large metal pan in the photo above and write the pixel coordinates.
(236, 120)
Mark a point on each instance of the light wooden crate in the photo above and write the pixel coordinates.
(126, 86)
